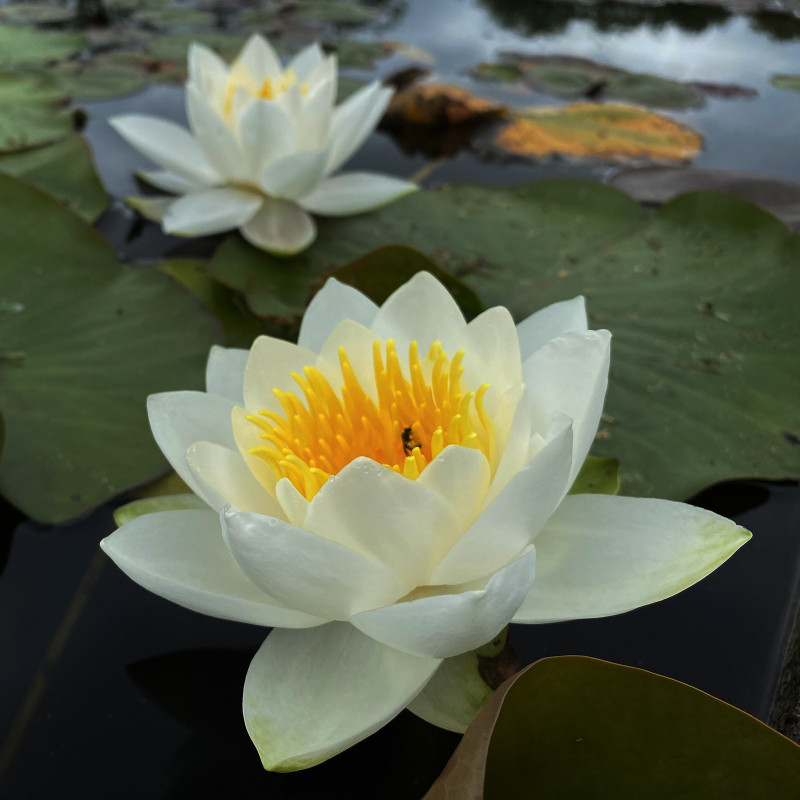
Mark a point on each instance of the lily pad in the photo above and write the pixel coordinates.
(167, 18)
(789, 82)
(33, 111)
(173, 48)
(700, 296)
(152, 505)
(65, 170)
(94, 338)
(35, 14)
(597, 476)
(575, 727)
(588, 130)
(439, 105)
(29, 46)
(333, 11)
(101, 78)
(355, 54)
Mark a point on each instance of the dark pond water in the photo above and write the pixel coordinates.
(111, 691)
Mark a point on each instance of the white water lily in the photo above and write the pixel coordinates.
(391, 492)
(264, 141)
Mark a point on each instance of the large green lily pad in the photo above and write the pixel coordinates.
(788, 82)
(109, 75)
(35, 14)
(65, 170)
(85, 340)
(700, 297)
(29, 46)
(33, 111)
(572, 727)
(335, 11)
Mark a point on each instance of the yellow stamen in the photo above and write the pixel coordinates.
(403, 423)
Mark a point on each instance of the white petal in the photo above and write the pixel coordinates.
(358, 341)
(355, 192)
(225, 372)
(291, 103)
(180, 555)
(448, 624)
(266, 135)
(601, 555)
(210, 211)
(307, 572)
(354, 120)
(326, 70)
(332, 304)
(179, 419)
(550, 322)
(270, 366)
(171, 147)
(376, 511)
(294, 505)
(460, 475)
(248, 436)
(205, 67)
(317, 113)
(420, 310)
(307, 697)
(512, 521)
(226, 478)
(167, 181)
(569, 376)
(281, 227)
(513, 439)
(260, 59)
(306, 61)
(293, 176)
(214, 137)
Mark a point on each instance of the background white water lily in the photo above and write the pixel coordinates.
(375, 576)
(264, 141)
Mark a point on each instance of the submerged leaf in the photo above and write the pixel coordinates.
(597, 476)
(788, 82)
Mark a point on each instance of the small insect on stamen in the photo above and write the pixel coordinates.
(407, 437)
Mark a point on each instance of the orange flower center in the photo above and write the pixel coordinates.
(404, 424)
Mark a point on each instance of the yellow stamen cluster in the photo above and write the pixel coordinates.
(409, 425)
(268, 90)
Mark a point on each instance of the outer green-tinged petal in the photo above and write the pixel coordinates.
(445, 625)
(354, 120)
(306, 61)
(225, 372)
(512, 521)
(569, 376)
(317, 113)
(225, 478)
(281, 227)
(550, 322)
(180, 555)
(376, 511)
(168, 145)
(332, 304)
(294, 175)
(260, 59)
(601, 555)
(266, 135)
(311, 695)
(211, 211)
(306, 571)
(179, 419)
(168, 181)
(354, 193)
(206, 68)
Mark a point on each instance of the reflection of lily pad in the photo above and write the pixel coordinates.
(32, 112)
(573, 78)
(65, 170)
(35, 14)
(700, 298)
(789, 82)
(588, 130)
(26, 46)
(333, 11)
(96, 338)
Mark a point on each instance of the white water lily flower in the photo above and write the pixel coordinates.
(264, 141)
(384, 493)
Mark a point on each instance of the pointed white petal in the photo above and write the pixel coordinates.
(260, 59)
(180, 555)
(225, 372)
(601, 555)
(310, 696)
(293, 176)
(326, 70)
(550, 322)
(354, 193)
(179, 419)
(226, 478)
(167, 181)
(420, 310)
(376, 511)
(354, 120)
(449, 624)
(294, 505)
(306, 61)
(512, 521)
(281, 227)
(214, 137)
(317, 113)
(569, 376)
(211, 211)
(205, 67)
(358, 341)
(513, 438)
(171, 147)
(307, 572)
(332, 304)
(266, 135)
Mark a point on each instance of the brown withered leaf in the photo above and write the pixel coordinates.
(439, 105)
